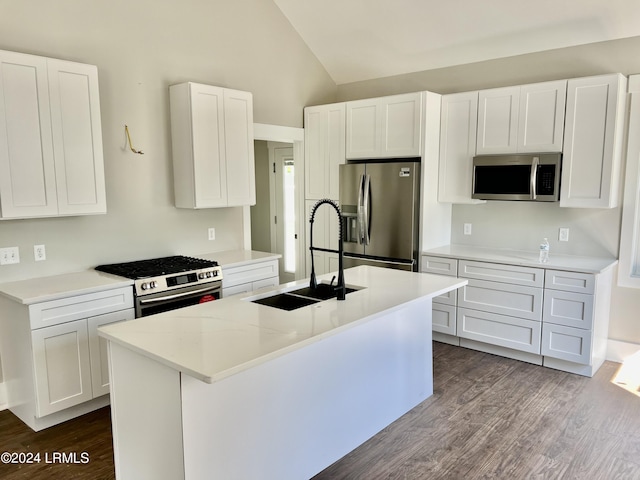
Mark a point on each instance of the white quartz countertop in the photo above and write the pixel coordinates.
(214, 340)
(237, 258)
(571, 263)
(42, 289)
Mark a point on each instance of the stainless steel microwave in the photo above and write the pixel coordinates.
(529, 177)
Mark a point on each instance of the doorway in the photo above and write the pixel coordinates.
(276, 223)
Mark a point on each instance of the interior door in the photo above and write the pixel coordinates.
(285, 212)
(391, 209)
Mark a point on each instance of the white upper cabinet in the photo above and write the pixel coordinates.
(212, 142)
(498, 120)
(51, 160)
(77, 137)
(385, 127)
(324, 143)
(541, 117)
(592, 154)
(458, 122)
(522, 119)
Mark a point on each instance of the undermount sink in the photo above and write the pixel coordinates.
(323, 291)
(302, 297)
(285, 301)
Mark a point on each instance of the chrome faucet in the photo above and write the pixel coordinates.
(340, 288)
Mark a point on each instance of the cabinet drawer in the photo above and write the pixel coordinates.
(496, 272)
(568, 308)
(267, 282)
(68, 309)
(443, 319)
(249, 273)
(440, 266)
(570, 281)
(449, 298)
(237, 289)
(566, 343)
(502, 298)
(501, 330)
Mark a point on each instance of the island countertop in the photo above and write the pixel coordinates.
(214, 340)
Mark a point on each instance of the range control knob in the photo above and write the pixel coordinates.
(144, 286)
(153, 284)
(202, 275)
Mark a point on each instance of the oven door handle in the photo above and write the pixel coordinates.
(177, 295)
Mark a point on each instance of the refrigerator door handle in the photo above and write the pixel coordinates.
(360, 212)
(367, 193)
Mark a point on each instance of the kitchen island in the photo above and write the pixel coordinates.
(234, 389)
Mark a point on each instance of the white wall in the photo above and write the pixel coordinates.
(140, 48)
(519, 224)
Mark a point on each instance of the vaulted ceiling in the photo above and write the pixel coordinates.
(364, 39)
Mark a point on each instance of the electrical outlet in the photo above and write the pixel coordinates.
(467, 229)
(39, 253)
(212, 234)
(563, 235)
(9, 255)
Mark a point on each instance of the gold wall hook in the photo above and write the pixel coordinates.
(139, 152)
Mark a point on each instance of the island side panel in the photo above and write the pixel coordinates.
(293, 416)
(145, 417)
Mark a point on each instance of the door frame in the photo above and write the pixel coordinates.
(294, 136)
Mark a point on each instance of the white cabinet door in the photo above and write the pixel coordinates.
(212, 143)
(77, 137)
(364, 128)
(385, 127)
(567, 343)
(568, 308)
(592, 154)
(541, 117)
(502, 298)
(402, 125)
(98, 349)
(498, 120)
(458, 123)
(443, 318)
(27, 172)
(324, 130)
(62, 366)
(239, 154)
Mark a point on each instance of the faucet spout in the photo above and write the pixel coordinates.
(340, 287)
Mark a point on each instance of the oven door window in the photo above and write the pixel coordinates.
(165, 301)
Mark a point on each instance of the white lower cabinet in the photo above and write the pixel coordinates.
(52, 353)
(248, 277)
(559, 319)
(61, 366)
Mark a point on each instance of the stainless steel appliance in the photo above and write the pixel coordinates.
(167, 283)
(531, 177)
(380, 213)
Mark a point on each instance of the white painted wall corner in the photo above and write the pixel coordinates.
(3, 397)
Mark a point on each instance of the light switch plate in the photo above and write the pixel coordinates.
(9, 255)
(212, 234)
(467, 229)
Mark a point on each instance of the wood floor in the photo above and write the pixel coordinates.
(489, 418)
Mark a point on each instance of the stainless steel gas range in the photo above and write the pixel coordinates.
(167, 283)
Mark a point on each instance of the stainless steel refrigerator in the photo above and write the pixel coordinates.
(380, 205)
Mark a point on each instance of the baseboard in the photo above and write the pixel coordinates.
(618, 351)
(3, 397)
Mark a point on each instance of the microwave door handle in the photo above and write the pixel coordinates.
(367, 194)
(359, 211)
(534, 177)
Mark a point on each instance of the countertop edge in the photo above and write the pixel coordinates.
(511, 257)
